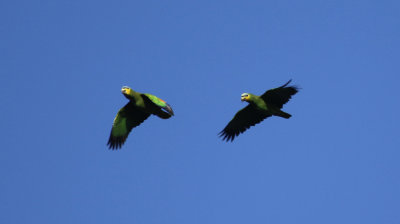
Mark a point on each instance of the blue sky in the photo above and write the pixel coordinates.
(62, 64)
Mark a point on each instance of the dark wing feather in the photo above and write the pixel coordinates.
(243, 120)
(127, 118)
(279, 96)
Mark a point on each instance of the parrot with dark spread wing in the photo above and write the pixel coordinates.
(137, 110)
(259, 108)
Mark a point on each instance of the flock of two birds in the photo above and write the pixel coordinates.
(142, 105)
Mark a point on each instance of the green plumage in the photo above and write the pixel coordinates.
(259, 108)
(137, 110)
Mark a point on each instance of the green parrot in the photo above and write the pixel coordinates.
(259, 108)
(138, 109)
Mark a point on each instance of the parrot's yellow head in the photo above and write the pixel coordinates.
(245, 97)
(126, 90)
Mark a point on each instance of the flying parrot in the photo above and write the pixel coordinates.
(259, 108)
(137, 110)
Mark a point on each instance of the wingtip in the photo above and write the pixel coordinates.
(287, 83)
(115, 143)
(225, 136)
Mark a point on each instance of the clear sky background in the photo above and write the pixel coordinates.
(63, 63)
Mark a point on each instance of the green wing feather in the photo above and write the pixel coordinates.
(160, 103)
(243, 120)
(127, 118)
(279, 96)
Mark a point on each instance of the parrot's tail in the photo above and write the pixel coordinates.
(283, 114)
